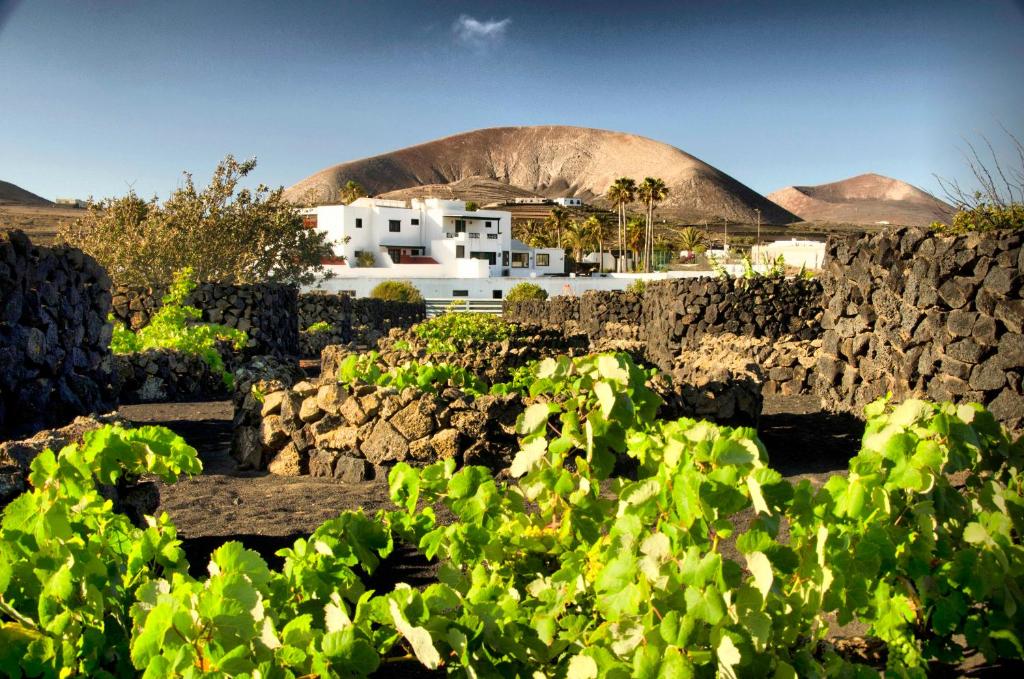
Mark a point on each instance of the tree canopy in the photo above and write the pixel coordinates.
(222, 232)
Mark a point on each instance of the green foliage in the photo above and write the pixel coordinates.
(173, 326)
(69, 565)
(637, 287)
(396, 291)
(471, 206)
(429, 377)
(366, 259)
(984, 217)
(566, 570)
(223, 232)
(526, 291)
(319, 327)
(451, 332)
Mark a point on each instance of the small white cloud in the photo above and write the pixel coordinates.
(480, 34)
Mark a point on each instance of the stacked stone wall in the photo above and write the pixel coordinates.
(267, 312)
(922, 315)
(357, 433)
(361, 321)
(54, 336)
(678, 313)
(562, 311)
(611, 314)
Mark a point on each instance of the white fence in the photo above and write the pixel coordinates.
(437, 305)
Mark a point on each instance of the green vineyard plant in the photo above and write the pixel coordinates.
(700, 560)
(174, 327)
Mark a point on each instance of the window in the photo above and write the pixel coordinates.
(460, 293)
(504, 258)
(543, 259)
(520, 260)
(491, 257)
(495, 294)
(460, 226)
(359, 222)
(487, 225)
(415, 222)
(460, 252)
(492, 236)
(394, 225)
(474, 235)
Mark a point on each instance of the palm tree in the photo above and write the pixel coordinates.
(557, 220)
(621, 193)
(351, 191)
(651, 191)
(595, 227)
(532, 233)
(634, 238)
(691, 238)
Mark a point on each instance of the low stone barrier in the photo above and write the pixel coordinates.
(614, 314)
(54, 336)
(355, 434)
(784, 366)
(923, 315)
(361, 321)
(561, 311)
(267, 312)
(678, 313)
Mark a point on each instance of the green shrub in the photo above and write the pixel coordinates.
(366, 259)
(637, 287)
(396, 291)
(451, 332)
(526, 291)
(319, 327)
(173, 327)
(471, 206)
(984, 218)
(427, 377)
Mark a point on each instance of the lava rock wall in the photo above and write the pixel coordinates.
(678, 313)
(615, 314)
(562, 311)
(922, 315)
(54, 336)
(267, 312)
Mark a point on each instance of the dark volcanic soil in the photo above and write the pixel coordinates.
(268, 512)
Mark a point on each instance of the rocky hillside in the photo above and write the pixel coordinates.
(504, 162)
(864, 199)
(10, 194)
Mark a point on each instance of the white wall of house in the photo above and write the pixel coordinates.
(799, 253)
(569, 202)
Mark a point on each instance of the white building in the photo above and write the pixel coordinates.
(426, 239)
(569, 202)
(798, 253)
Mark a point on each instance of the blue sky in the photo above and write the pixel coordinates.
(100, 95)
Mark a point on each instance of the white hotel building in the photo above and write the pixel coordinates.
(438, 245)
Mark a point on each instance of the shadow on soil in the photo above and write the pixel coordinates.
(811, 442)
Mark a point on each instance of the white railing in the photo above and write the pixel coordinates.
(439, 305)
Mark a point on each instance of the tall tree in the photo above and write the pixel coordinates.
(634, 239)
(225, 233)
(557, 220)
(651, 191)
(621, 193)
(351, 191)
(691, 238)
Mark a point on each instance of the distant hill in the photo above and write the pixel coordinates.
(864, 199)
(550, 161)
(11, 194)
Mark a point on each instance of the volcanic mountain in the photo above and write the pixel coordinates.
(11, 194)
(551, 161)
(864, 199)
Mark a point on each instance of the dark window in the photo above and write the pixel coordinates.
(492, 236)
(460, 226)
(487, 225)
(460, 252)
(495, 294)
(520, 260)
(460, 293)
(359, 222)
(474, 235)
(491, 257)
(395, 254)
(543, 259)
(504, 258)
(415, 222)
(394, 225)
